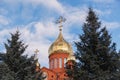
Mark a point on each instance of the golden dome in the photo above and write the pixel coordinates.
(71, 57)
(60, 45)
(37, 64)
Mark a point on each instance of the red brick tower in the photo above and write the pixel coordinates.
(59, 53)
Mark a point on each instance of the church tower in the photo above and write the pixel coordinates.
(60, 52)
(36, 58)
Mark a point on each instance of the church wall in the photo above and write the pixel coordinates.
(57, 61)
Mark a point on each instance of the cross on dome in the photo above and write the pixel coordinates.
(36, 51)
(60, 20)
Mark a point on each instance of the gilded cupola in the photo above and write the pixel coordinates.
(60, 43)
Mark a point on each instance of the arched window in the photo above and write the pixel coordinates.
(60, 62)
(55, 63)
(52, 64)
(45, 75)
(65, 60)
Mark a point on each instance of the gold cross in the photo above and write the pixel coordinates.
(36, 51)
(59, 21)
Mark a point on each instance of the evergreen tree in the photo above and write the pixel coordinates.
(96, 54)
(20, 64)
(5, 73)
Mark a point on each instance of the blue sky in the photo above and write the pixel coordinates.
(36, 21)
